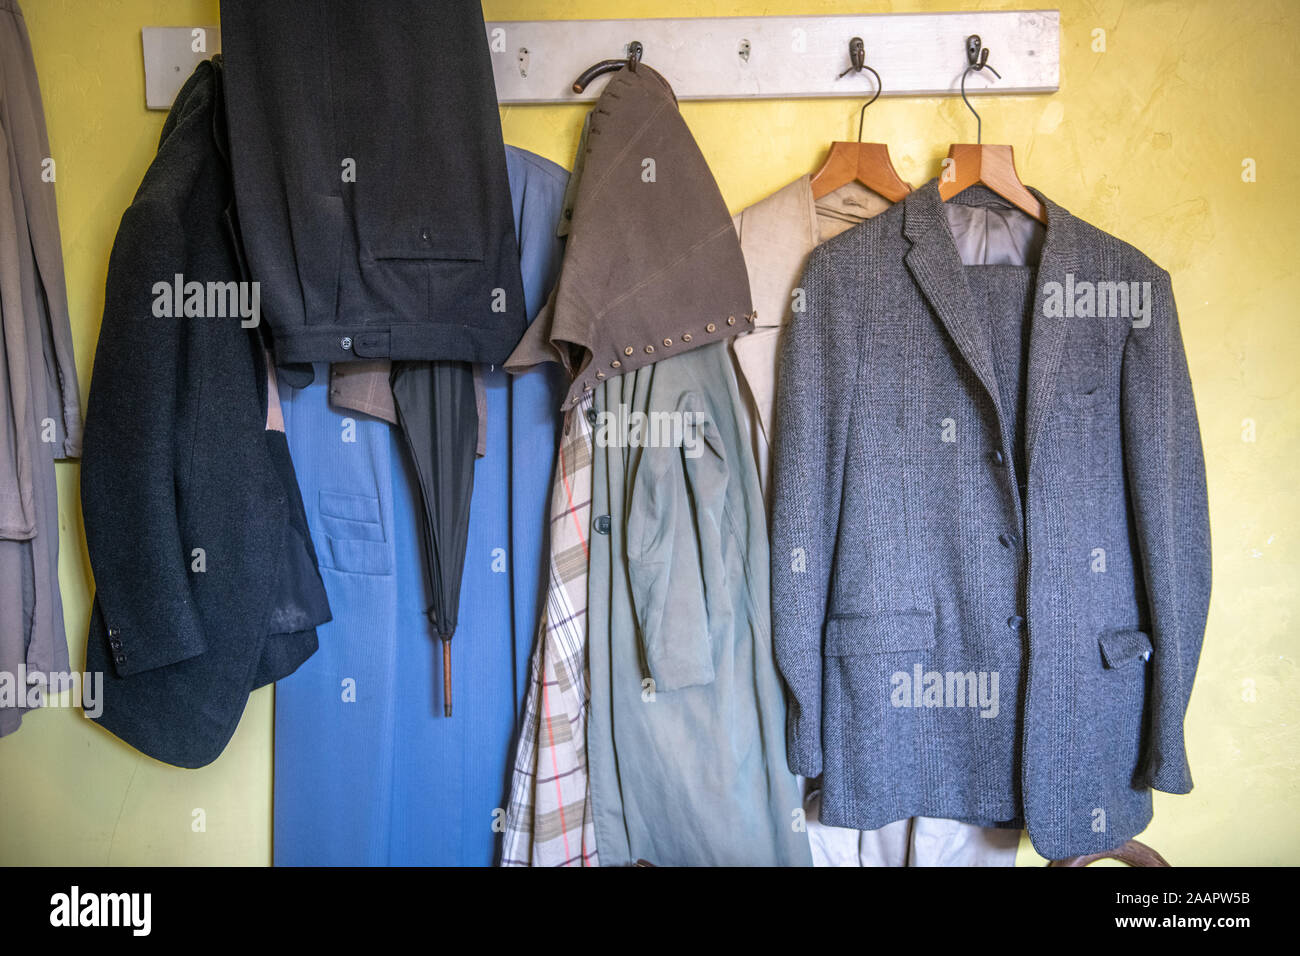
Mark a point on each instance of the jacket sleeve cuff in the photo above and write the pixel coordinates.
(1170, 776)
(803, 744)
(134, 649)
(72, 436)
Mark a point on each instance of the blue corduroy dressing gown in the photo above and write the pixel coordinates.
(367, 769)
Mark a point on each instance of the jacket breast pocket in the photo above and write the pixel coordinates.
(1083, 383)
(350, 534)
(1086, 374)
(1089, 416)
(882, 632)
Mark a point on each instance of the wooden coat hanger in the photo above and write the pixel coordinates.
(865, 163)
(992, 166)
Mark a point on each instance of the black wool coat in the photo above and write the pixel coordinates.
(206, 581)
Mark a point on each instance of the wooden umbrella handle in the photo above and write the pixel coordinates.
(446, 676)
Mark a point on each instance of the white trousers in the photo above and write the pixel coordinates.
(916, 841)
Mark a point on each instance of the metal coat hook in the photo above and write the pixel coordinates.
(857, 57)
(858, 63)
(977, 58)
(634, 51)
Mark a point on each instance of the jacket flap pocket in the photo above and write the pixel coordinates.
(1123, 647)
(885, 632)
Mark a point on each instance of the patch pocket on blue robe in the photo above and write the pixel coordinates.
(350, 534)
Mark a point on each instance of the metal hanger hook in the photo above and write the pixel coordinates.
(862, 115)
(977, 58)
(858, 63)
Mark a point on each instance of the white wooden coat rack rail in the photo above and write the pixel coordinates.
(712, 58)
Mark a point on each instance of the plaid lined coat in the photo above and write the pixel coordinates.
(683, 733)
(549, 817)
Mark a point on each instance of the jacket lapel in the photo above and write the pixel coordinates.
(1060, 256)
(936, 266)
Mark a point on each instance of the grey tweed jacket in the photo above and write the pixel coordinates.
(986, 609)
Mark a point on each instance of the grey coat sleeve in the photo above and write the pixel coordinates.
(815, 380)
(1166, 474)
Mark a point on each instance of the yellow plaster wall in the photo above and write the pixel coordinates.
(1145, 140)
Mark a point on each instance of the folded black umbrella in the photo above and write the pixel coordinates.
(438, 417)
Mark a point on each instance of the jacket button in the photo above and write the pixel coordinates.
(668, 343)
(591, 415)
(1006, 540)
(710, 328)
(731, 320)
(686, 336)
(601, 524)
(649, 350)
(616, 364)
(1015, 622)
(114, 631)
(121, 658)
(346, 343)
(629, 350)
(997, 457)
